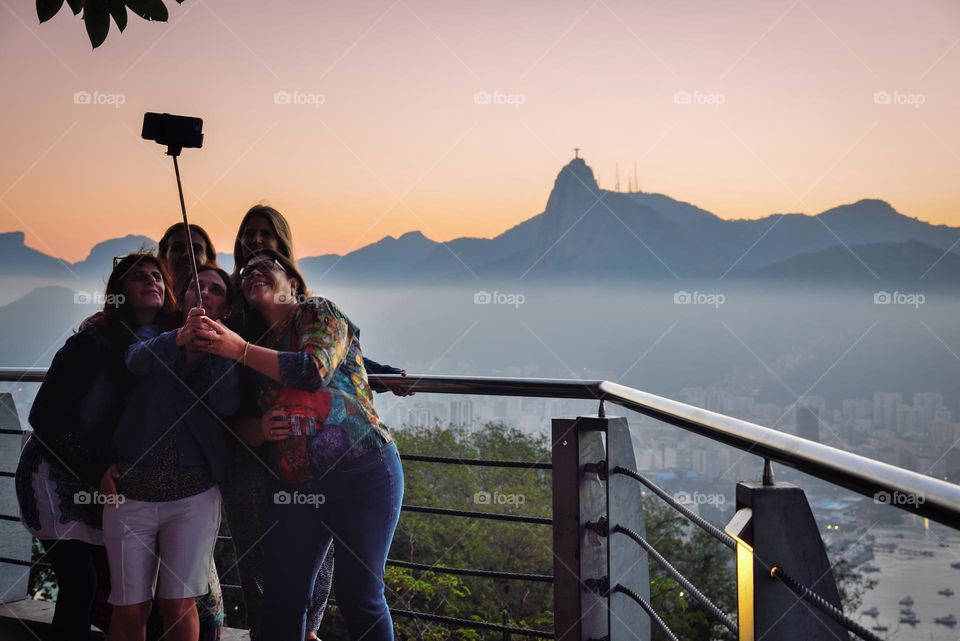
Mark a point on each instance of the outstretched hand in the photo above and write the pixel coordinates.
(194, 322)
(216, 338)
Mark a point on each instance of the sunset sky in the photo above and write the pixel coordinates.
(743, 108)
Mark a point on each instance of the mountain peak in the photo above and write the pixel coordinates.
(12, 238)
(863, 210)
(574, 184)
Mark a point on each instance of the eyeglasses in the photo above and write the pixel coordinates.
(261, 267)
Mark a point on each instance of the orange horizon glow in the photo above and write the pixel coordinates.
(782, 114)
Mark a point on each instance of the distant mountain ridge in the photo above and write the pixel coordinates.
(588, 232)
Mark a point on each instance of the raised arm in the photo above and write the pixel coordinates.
(324, 339)
(152, 349)
(324, 342)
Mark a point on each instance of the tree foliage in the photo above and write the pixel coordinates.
(97, 14)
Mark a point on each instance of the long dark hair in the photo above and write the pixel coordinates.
(281, 229)
(164, 245)
(117, 319)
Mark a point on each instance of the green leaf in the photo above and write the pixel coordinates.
(46, 9)
(96, 17)
(119, 12)
(149, 9)
(75, 6)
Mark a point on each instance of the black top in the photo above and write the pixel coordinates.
(78, 405)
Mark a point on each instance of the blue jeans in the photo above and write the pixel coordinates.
(357, 504)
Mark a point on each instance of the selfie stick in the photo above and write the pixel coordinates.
(175, 151)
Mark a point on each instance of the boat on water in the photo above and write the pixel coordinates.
(910, 619)
(911, 552)
(950, 620)
(872, 612)
(946, 592)
(955, 565)
(879, 628)
(907, 600)
(870, 568)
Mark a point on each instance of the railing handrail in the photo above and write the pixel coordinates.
(923, 495)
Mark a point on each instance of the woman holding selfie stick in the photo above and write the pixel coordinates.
(245, 491)
(339, 470)
(169, 459)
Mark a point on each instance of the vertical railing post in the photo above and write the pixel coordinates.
(588, 500)
(774, 526)
(15, 541)
(580, 584)
(627, 561)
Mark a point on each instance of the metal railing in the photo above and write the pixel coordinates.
(746, 535)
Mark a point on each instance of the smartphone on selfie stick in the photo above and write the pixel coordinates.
(177, 132)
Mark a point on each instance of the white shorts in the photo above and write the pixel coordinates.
(170, 541)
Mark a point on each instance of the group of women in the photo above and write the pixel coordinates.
(171, 404)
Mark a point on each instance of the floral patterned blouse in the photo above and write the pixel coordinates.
(324, 390)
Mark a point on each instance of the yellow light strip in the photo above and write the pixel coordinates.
(744, 589)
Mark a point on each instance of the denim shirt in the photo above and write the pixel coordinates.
(172, 394)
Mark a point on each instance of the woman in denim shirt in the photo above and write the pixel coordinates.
(340, 472)
(169, 447)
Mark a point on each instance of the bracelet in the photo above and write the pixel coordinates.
(243, 357)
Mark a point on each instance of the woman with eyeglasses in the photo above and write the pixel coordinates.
(339, 474)
(263, 228)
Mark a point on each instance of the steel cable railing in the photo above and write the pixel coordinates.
(471, 572)
(822, 604)
(660, 623)
(860, 474)
(698, 520)
(698, 596)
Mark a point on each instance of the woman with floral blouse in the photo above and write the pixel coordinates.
(339, 470)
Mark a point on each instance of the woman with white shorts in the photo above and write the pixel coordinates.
(169, 448)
